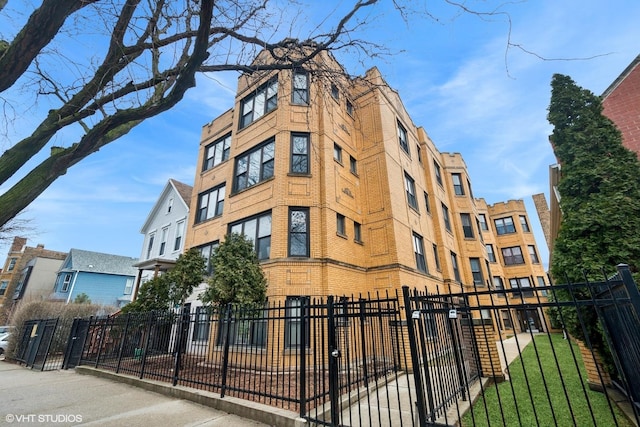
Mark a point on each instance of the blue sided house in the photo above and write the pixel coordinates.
(106, 279)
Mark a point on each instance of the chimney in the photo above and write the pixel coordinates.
(18, 244)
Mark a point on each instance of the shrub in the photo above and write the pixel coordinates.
(35, 310)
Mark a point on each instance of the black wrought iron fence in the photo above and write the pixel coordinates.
(487, 357)
(304, 354)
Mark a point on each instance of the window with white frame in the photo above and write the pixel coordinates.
(337, 153)
(258, 230)
(244, 332)
(164, 235)
(476, 271)
(152, 237)
(445, 217)
(259, 103)
(523, 284)
(458, 188)
(418, 250)
(217, 152)
(506, 319)
(490, 253)
(402, 138)
(498, 285)
(483, 222)
(454, 266)
(436, 169)
(533, 254)
(210, 203)
(66, 282)
(128, 286)
(410, 188)
(467, 225)
(340, 225)
(504, 225)
(202, 324)
(179, 233)
(357, 232)
(293, 323)
(254, 166)
(541, 283)
(3, 287)
(206, 251)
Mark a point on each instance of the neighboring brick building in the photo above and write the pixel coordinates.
(342, 194)
(621, 102)
(19, 266)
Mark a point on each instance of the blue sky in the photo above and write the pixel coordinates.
(456, 76)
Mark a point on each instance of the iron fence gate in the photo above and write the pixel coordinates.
(75, 343)
(33, 346)
(444, 353)
(366, 364)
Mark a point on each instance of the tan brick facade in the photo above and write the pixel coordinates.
(370, 168)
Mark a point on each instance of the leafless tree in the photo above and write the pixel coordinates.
(152, 52)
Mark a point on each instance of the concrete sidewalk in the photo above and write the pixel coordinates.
(106, 399)
(67, 398)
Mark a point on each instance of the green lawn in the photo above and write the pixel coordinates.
(544, 401)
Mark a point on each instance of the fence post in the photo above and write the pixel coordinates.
(630, 284)
(334, 354)
(303, 356)
(183, 319)
(422, 411)
(70, 341)
(149, 316)
(363, 319)
(225, 353)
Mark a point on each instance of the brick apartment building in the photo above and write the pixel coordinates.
(342, 194)
(28, 272)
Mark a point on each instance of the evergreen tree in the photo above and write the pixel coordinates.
(153, 295)
(599, 187)
(599, 201)
(237, 277)
(172, 288)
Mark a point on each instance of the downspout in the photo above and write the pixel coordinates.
(73, 284)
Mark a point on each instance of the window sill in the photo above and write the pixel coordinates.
(300, 174)
(237, 192)
(344, 236)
